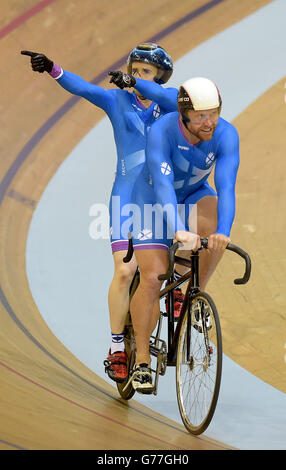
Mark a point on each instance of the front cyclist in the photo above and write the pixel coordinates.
(131, 114)
(182, 150)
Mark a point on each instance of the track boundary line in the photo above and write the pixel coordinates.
(85, 408)
(25, 17)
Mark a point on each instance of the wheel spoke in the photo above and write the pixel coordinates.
(198, 376)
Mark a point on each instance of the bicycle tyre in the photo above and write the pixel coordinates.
(202, 369)
(127, 391)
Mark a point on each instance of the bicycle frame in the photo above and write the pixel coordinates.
(192, 288)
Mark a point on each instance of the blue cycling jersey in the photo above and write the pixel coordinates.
(131, 122)
(176, 172)
(129, 118)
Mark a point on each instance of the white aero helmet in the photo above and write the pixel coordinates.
(199, 94)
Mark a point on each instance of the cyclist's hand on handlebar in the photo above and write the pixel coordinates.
(190, 240)
(218, 241)
(39, 62)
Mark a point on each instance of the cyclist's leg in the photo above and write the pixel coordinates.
(192, 214)
(203, 220)
(144, 311)
(207, 224)
(151, 243)
(152, 257)
(118, 294)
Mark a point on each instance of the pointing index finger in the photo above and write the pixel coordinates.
(29, 53)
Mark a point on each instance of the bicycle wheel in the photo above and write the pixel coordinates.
(125, 389)
(199, 363)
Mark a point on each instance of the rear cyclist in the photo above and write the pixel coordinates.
(131, 114)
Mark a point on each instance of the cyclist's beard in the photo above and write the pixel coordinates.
(202, 135)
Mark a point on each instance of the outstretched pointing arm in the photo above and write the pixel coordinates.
(70, 81)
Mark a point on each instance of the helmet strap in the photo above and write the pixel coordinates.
(185, 119)
(158, 77)
(158, 80)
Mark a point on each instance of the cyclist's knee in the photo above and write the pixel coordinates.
(124, 273)
(151, 264)
(207, 226)
(149, 280)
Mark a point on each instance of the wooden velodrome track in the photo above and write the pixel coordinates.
(48, 399)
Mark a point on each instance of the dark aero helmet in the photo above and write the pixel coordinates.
(155, 55)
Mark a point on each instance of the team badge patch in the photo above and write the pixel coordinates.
(210, 158)
(145, 234)
(165, 168)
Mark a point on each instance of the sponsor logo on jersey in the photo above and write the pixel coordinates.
(182, 147)
(165, 168)
(123, 168)
(137, 107)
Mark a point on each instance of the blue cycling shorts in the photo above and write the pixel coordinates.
(150, 228)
